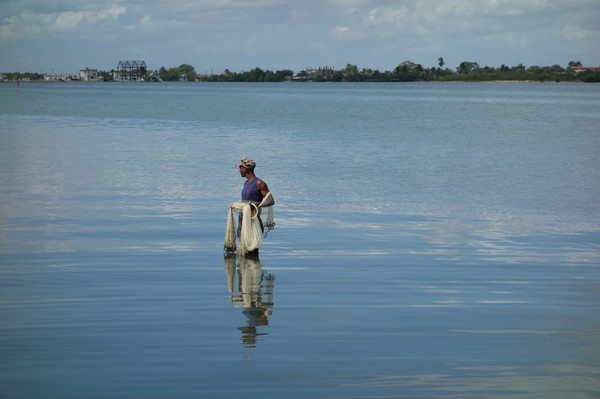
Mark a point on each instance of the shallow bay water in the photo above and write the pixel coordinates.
(432, 240)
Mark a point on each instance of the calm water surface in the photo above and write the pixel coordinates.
(432, 240)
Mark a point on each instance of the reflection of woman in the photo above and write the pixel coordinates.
(254, 294)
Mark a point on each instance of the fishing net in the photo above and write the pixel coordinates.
(248, 226)
(249, 229)
(266, 206)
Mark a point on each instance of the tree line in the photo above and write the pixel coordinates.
(406, 71)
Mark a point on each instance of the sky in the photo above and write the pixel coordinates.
(64, 36)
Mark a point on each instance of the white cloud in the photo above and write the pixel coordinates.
(573, 32)
(344, 33)
(464, 9)
(241, 34)
(36, 23)
(388, 16)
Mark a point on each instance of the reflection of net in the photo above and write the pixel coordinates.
(255, 288)
(254, 295)
(256, 302)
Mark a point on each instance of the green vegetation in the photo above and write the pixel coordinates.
(407, 71)
(24, 76)
(181, 73)
(255, 75)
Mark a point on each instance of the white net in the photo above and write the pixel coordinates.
(267, 205)
(248, 228)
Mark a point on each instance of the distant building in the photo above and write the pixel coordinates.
(88, 74)
(56, 78)
(130, 70)
(585, 68)
(324, 73)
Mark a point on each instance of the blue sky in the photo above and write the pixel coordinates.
(63, 36)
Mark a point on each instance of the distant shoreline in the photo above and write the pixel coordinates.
(7, 81)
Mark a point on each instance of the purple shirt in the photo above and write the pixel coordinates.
(250, 192)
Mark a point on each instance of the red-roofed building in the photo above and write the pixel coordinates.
(584, 68)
